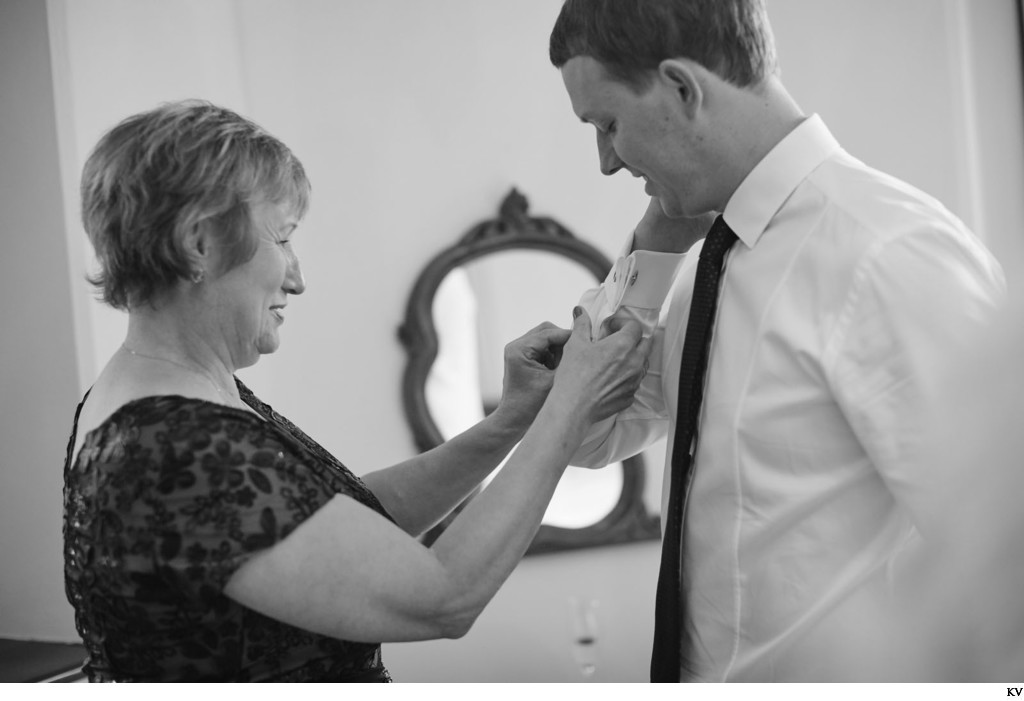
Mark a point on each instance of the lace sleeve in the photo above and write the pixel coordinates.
(166, 500)
(222, 487)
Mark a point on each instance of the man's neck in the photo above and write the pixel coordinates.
(752, 121)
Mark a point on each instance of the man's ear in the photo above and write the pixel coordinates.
(680, 76)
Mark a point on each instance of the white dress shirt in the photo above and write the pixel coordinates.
(845, 292)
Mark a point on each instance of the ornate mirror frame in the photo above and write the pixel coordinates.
(628, 520)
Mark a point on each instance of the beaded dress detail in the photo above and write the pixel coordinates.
(166, 500)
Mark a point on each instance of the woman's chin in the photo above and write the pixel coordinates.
(264, 345)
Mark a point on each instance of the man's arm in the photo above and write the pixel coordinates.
(918, 302)
(637, 288)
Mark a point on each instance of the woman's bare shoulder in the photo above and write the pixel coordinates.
(120, 384)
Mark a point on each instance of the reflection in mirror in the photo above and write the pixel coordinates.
(500, 280)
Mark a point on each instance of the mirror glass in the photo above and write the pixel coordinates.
(481, 305)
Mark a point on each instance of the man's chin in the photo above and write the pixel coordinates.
(674, 210)
(671, 209)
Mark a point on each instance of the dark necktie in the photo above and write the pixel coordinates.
(672, 656)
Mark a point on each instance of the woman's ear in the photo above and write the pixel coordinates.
(680, 76)
(197, 244)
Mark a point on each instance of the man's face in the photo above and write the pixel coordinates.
(648, 133)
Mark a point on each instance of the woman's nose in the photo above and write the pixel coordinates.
(294, 282)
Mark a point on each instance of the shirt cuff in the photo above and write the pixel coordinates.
(648, 277)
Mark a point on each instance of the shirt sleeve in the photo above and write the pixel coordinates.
(636, 288)
(915, 301)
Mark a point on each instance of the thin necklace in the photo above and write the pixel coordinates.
(194, 371)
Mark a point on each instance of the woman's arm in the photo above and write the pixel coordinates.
(349, 573)
(421, 491)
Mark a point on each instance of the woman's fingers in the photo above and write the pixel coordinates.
(542, 344)
(605, 373)
(629, 329)
(581, 327)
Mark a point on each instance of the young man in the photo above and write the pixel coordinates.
(798, 486)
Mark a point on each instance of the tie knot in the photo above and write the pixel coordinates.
(719, 239)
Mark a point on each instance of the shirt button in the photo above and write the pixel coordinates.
(632, 280)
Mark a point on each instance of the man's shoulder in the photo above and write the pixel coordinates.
(874, 204)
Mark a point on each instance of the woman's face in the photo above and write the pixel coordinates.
(250, 298)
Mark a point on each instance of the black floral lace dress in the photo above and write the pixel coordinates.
(168, 497)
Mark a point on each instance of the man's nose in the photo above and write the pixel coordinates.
(609, 160)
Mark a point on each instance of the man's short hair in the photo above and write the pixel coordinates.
(630, 38)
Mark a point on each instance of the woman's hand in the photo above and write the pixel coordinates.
(600, 377)
(530, 363)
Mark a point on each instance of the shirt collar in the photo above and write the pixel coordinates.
(767, 187)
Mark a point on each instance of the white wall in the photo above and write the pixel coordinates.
(38, 372)
(414, 119)
(928, 90)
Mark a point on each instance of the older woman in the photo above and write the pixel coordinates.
(206, 536)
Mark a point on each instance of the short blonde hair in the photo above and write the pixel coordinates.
(157, 175)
